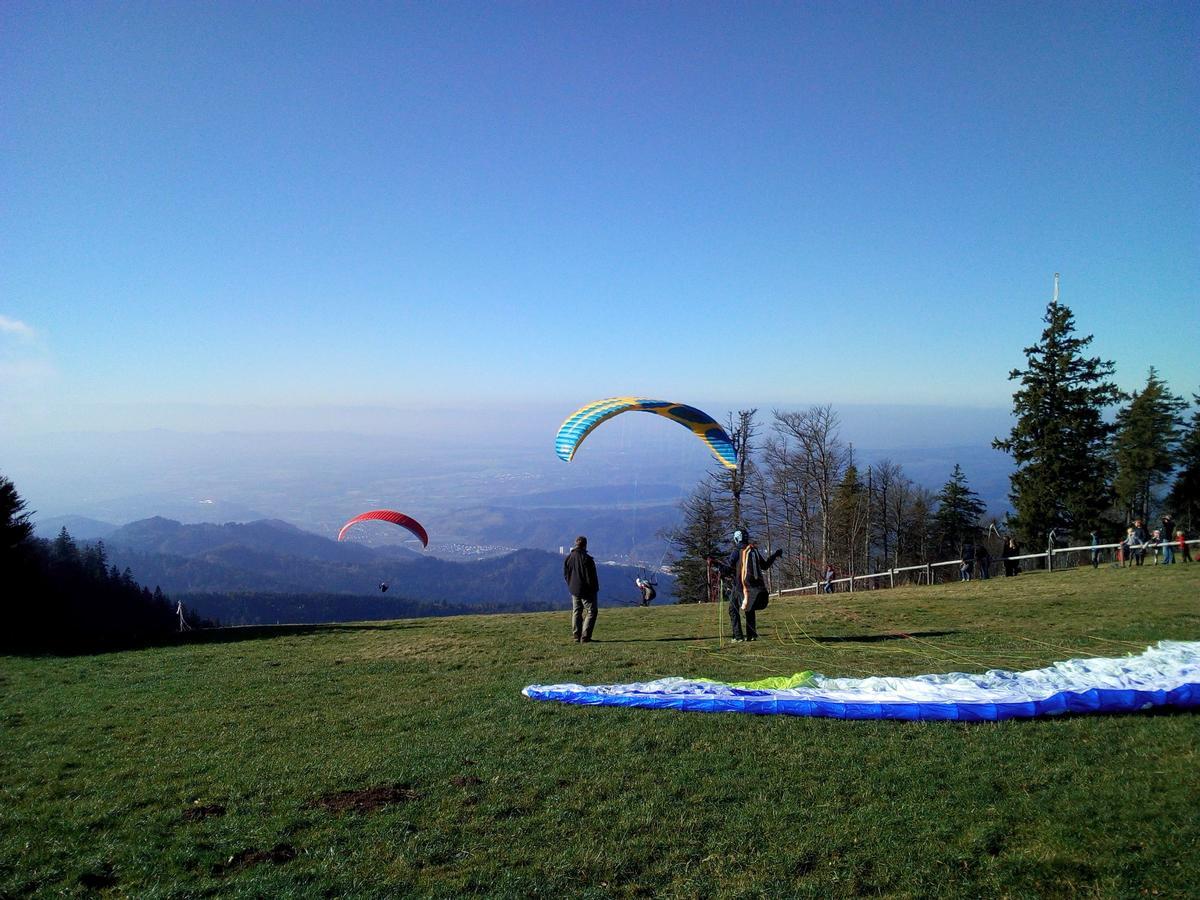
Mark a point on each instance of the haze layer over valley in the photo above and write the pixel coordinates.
(483, 482)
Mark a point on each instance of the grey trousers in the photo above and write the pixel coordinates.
(583, 617)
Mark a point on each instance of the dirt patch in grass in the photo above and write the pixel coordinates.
(98, 881)
(196, 813)
(365, 799)
(252, 856)
(466, 780)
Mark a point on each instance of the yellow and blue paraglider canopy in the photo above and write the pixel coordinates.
(584, 420)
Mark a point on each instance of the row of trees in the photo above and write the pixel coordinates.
(1078, 467)
(63, 598)
(798, 487)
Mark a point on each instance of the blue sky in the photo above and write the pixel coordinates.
(285, 205)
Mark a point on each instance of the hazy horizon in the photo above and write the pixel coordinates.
(436, 465)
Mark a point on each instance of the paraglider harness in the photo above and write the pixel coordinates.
(754, 589)
(646, 587)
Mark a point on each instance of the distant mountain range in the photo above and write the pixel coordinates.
(258, 571)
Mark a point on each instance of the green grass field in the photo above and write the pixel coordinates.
(225, 766)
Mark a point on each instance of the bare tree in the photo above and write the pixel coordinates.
(886, 480)
(820, 457)
(731, 483)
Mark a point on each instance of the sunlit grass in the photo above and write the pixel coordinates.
(103, 757)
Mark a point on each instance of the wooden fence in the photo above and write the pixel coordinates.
(927, 573)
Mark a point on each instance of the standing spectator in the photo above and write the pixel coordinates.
(579, 571)
(1155, 544)
(828, 589)
(1184, 551)
(1095, 550)
(1137, 542)
(1125, 549)
(967, 562)
(1168, 532)
(1011, 549)
(983, 561)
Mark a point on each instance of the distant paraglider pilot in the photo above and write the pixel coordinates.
(579, 571)
(749, 594)
(383, 586)
(646, 588)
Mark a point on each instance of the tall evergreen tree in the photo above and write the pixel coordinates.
(848, 522)
(958, 512)
(1060, 438)
(64, 547)
(696, 539)
(1184, 499)
(916, 537)
(15, 527)
(1148, 431)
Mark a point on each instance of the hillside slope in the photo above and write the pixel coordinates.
(400, 759)
(275, 558)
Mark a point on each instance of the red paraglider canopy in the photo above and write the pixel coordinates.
(389, 515)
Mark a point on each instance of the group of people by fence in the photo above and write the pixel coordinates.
(1161, 543)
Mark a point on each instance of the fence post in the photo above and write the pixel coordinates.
(852, 582)
(892, 577)
(929, 573)
(1049, 559)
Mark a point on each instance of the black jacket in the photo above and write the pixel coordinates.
(579, 571)
(733, 566)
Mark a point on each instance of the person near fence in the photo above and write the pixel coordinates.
(1095, 550)
(1167, 538)
(967, 562)
(829, 573)
(1185, 552)
(1137, 542)
(1168, 533)
(1011, 549)
(1125, 551)
(983, 561)
(1156, 544)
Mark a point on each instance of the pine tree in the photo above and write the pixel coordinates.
(64, 548)
(694, 541)
(1060, 439)
(15, 527)
(848, 522)
(958, 512)
(1148, 431)
(916, 538)
(1184, 499)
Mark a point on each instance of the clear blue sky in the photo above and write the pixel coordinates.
(286, 204)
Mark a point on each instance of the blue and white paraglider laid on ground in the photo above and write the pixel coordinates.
(1167, 674)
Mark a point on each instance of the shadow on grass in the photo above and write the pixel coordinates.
(234, 634)
(711, 637)
(840, 639)
(227, 635)
(879, 638)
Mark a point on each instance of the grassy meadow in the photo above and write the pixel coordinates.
(400, 759)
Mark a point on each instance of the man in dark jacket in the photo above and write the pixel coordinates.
(747, 566)
(579, 571)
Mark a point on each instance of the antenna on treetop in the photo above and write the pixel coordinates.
(1055, 300)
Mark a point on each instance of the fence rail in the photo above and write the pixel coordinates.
(926, 570)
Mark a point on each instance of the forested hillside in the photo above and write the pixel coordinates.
(254, 569)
